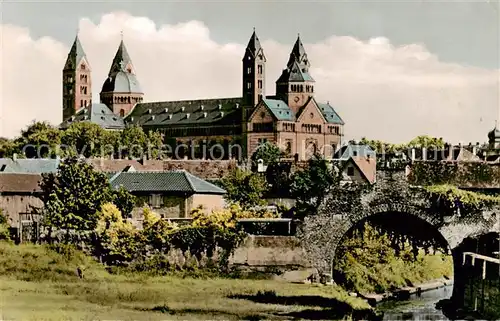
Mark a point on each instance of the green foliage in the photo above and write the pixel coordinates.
(41, 136)
(245, 188)
(450, 198)
(118, 241)
(85, 138)
(426, 173)
(124, 201)
(268, 152)
(418, 142)
(4, 227)
(74, 195)
(367, 262)
(310, 186)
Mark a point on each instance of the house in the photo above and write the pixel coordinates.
(359, 169)
(19, 196)
(171, 194)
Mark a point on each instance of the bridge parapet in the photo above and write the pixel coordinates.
(481, 293)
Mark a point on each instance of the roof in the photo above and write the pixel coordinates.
(347, 151)
(122, 82)
(173, 181)
(121, 59)
(367, 167)
(19, 183)
(98, 114)
(295, 73)
(279, 109)
(29, 165)
(254, 44)
(222, 111)
(494, 134)
(75, 55)
(298, 51)
(329, 113)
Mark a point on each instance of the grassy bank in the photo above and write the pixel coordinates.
(370, 264)
(37, 283)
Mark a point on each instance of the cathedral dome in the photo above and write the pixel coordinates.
(494, 134)
(122, 82)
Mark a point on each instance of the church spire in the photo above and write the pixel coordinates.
(298, 54)
(76, 82)
(75, 55)
(121, 61)
(254, 44)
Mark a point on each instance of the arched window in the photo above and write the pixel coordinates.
(122, 112)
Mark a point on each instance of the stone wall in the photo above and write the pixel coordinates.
(265, 252)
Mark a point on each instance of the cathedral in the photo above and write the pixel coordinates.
(292, 118)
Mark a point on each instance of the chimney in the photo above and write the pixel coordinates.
(424, 153)
(14, 157)
(450, 148)
(205, 114)
(413, 154)
(202, 107)
(183, 108)
(149, 111)
(144, 159)
(131, 118)
(187, 116)
(237, 105)
(474, 150)
(166, 110)
(222, 114)
(153, 117)
(170, 116)
(219, 106)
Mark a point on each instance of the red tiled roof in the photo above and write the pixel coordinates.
(367, 166)
(19, 183)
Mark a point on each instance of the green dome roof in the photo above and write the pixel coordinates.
(122, 82)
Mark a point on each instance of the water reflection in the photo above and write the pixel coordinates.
(417, 308)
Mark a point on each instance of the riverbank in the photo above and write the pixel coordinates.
(38, 283)
(404, 293)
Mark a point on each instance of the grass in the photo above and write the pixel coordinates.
(37, 283)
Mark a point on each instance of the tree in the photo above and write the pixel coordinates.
(39, 139)
(124, 201)
(74, 195)
(84, 138)
(310, 186)
(134, 140)
(268, 152)
(7, 147)
(244, 187)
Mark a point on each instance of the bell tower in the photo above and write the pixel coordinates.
(254, 70)
(295, 85)
(76, 81)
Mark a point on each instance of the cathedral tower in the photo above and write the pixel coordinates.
(121, 90)
(254, 68)
(295, 85)
(77, 84)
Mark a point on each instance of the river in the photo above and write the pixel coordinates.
(421, 307)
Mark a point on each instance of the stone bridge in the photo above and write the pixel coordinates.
(392, 199)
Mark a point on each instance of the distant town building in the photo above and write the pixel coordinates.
(292, 118)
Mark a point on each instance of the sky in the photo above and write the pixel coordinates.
(392, 69)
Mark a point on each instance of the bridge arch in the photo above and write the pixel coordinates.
(321, 233)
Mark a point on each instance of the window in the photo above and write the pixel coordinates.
(350, 171)
(260, 84)
(155, 200)
(288, 147)
(81, 103)
(82, 67)
(122, 112)
(249, 70)
(259, 69)
(85, 103)
(249, 85)
(354, 153)
(263, 127)
(260, 97)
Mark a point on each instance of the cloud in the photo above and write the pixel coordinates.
(382, 91)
